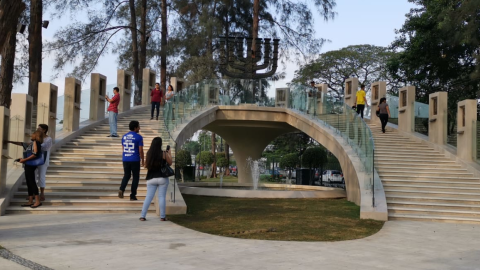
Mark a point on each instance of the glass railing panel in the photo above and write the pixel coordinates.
(421, 118)
(392, 102)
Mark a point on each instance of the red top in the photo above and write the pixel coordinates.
(113, 107)
(156, 95)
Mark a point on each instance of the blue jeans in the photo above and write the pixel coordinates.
(112, 120)
(157, 106)
(152, 185)
(167, 114)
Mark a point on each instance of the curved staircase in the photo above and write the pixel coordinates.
(423, 184)
(85, 174)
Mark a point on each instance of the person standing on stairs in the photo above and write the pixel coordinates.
(156, 159)
(113, 111)
(361, 100)
(384, 113)
(40, 175)
(169, 98)
(156, 95)
(132, 148)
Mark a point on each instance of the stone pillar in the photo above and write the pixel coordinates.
(282, 97)
(71, 111)
(20, 123)
(47, 107)
(379, 90)
(406, 109)
(148, 83)
(98, 90)
(211, 94)
(467, 130)
(322, 98)
(124, 83)
(437, 118)
(4, 132)
(178, 86)
(351, 87)
(177, 83)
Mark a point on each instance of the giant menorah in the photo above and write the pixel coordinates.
(234, 64)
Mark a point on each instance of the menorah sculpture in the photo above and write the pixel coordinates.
(235, 65)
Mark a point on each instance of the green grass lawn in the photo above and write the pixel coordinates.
(277, 219)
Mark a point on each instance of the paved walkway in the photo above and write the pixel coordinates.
(114, 241)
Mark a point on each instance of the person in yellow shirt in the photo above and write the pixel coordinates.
(361, 100)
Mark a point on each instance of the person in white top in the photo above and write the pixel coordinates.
(169, 98)
(42, 170)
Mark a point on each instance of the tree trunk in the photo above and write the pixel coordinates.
(136, 70)
(214, 165)
(9, 13)
(163, 54)
(256, 10)
(227, 155)
(7, 68)
(143, 45)
(35, 48)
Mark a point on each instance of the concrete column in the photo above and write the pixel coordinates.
(379, 90)
(47, 107)
(20, 123)
(177, 83)
(148, 83)
(98, 90)
(322, 98)
(437, 115)
(282, 97)
(124, 84)
(406, 109)
(467, 130)
(4, 132)
(351, 87)
(71, 111)
(211, 94)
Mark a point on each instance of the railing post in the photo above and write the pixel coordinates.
(466, 130)
(406, 109)
(437, 115)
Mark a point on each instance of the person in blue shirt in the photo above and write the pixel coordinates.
(132, 148)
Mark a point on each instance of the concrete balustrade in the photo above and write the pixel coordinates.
(98, 90)
(282, 97)
(406, 109)
(71, 111)
(351, 87)
(437, 115)
(467, 130)
(379, 90)
(20, 123)
(47, 106)
(148, 83)
(4, 132)
(124, 83)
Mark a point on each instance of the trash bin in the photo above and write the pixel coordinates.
(303, 176)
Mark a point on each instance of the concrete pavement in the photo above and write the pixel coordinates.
(121, 241)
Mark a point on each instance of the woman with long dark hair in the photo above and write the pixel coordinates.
(156, 159)
(384, 113)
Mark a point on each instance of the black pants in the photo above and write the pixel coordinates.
(129, 168)
(155, 105)
(384, 120)
(30, 178)
(360, 108)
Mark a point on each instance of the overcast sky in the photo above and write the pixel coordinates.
(357, 22)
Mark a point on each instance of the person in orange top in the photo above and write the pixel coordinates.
(156, 95)
(361, 100)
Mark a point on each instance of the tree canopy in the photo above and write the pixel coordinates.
(314, 157)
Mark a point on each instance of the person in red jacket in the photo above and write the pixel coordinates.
(156, 95)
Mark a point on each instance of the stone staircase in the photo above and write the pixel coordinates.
(421, 183)
(85, 174)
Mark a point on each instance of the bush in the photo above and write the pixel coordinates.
(314, 157)
(205, 158)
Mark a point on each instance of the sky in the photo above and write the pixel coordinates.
(357, 22)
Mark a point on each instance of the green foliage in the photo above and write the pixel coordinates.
(289, 161)
(205, 158)
(183, 158)
(192, 147)
(221, 160)
(314, 157)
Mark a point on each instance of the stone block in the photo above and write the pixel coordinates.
(467, 130)
(71, 111)
(406, 109)
(124, 83)
(47, 107)
(98, 90)
(437, 118)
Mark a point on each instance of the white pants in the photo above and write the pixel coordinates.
(41, 172)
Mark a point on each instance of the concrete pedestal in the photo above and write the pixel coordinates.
(351, 87)
(379, 90)
(98, 90)
(322, 98)
(124, 83)
(71, 111)
(148, 83)
(467, 130)
(47, 107)
(282, 97)
(406, 109)
(211, 93)
(177, 84)
(20, 123)
(437, 118)
(4, 132)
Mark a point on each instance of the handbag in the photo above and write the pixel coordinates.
(377, 112)
(166, 170)
(38, 161)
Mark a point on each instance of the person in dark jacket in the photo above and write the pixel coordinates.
(156, 158)
(156, 95)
